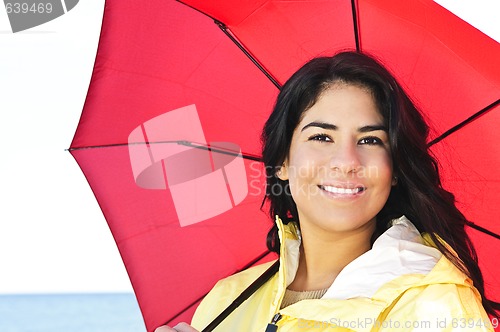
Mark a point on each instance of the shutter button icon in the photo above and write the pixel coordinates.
(170, 152)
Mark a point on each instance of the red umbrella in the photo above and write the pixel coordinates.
(168, 83)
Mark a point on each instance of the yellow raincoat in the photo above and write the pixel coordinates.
(402, 284)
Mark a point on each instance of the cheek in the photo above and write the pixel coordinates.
(304, 170)
(386, 174)
(378, 167)
(304, 164)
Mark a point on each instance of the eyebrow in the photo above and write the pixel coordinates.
(367, 129)
(329, 126)
(323, 125)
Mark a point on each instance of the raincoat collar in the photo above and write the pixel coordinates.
(398, 251)
(401, 258)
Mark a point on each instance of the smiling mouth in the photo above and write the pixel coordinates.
(343, 191)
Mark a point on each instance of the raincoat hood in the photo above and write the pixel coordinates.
(402, 283)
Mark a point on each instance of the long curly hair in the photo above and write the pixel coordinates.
(418, 193)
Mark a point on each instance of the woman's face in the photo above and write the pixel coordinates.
(339, 165)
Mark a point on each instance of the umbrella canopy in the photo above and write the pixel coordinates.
(169, 135)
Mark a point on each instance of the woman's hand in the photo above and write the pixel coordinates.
(181, 327)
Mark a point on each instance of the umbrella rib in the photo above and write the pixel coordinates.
(464, 123)
(356, 26)
(227, 32)
(456, 128)
(483, 230)
(258, 258)
(186, 143)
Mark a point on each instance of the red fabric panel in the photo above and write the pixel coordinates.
(487, 252)
(170, 266)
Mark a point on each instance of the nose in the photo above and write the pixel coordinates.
(345, 158)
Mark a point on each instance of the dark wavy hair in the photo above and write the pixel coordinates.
(418, 193)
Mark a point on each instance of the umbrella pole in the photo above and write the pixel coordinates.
(244, 296)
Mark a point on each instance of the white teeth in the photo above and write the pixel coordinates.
(336, 190)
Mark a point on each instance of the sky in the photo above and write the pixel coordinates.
(53, 237)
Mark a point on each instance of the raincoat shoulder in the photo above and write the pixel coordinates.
(443, 299)
(227, 290)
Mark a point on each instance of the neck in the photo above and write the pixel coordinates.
(323, 255)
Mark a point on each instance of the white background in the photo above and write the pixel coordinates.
(53, 237)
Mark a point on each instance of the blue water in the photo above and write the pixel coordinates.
(70, 312)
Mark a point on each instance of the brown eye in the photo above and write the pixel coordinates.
(320, 138)
(370, 140)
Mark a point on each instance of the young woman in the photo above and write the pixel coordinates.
(368, 239)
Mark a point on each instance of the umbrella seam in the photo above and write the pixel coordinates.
(464, 122)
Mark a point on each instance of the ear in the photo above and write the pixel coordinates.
(394, 180)
(282, 172)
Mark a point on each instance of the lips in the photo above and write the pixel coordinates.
(352, 190)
